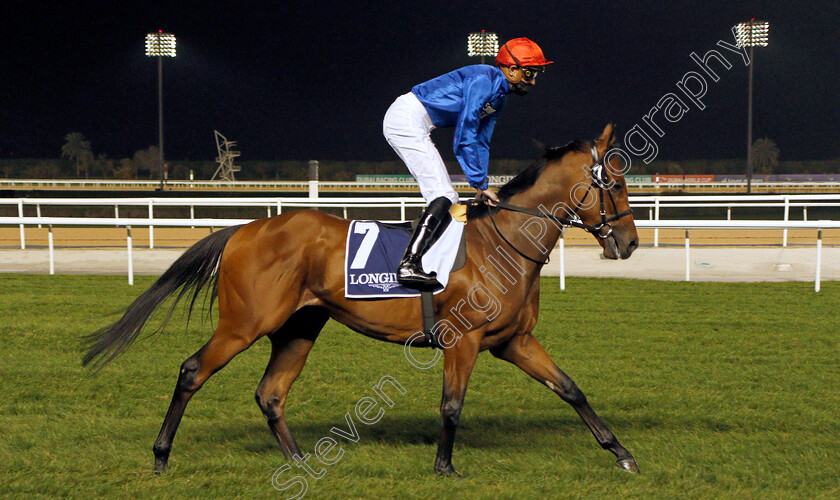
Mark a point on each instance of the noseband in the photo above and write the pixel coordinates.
(599, 181)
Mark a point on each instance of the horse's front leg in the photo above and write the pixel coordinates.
(458, 363)
(525, 352)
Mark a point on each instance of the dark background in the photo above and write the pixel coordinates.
(312, 80)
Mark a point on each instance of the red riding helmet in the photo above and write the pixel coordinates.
(521, 52)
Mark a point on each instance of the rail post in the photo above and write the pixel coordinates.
(38, 212)
(562, 261)
(151, 227)
(819, 261)
(787, 217)
(687, 258)
(402, 209)
(313, 179)
(51, 251)
(130, 260)
(22, 237)
(656, 218)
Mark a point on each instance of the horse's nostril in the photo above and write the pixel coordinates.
(632, 245)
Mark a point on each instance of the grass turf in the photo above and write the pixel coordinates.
(718, 389)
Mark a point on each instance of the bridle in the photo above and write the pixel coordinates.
(602, 182)
(599, 181)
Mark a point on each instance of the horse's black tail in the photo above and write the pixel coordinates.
(194, 270)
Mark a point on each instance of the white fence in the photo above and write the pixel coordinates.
(275, 205)
(656, 206)
(351, 186)
(678, 224)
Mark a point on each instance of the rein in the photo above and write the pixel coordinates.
(599, 180)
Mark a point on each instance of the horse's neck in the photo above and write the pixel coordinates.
(536, 233)
(533, 236)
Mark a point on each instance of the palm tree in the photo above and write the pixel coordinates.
(147, 159)
(765, 156)
(77, 149)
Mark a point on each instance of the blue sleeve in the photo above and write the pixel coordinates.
(472, 135)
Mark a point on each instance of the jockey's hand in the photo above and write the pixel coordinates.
(487, 195)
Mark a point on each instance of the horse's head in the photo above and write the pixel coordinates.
(579, 184)
(598, 194)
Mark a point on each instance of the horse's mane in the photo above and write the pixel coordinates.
(525, 179)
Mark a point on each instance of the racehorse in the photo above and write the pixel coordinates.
(283, 277)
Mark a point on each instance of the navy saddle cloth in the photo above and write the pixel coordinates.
(374, 250)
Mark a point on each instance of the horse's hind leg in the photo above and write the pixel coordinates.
(225, 343)
(289, 347)
(525, 352)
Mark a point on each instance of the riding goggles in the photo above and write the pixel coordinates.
(530, 73)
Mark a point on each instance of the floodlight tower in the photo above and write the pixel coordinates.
(751, 34)
(158, 45)
(482, 44)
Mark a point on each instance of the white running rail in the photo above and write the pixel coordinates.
(687, 225)
(274, 205)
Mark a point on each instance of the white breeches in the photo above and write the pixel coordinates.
(406, 128)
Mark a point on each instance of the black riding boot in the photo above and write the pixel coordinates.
(432, 223)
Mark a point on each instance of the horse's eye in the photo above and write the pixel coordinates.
(618, 187)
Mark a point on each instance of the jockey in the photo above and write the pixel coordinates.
(469, 99)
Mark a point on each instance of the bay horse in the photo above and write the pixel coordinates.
(283, 277)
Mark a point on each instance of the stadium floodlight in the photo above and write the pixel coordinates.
(751, 34)
(158, 45)
(482, 44)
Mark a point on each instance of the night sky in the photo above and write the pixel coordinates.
(312, 80)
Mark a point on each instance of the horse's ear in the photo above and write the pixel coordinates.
(604, 142)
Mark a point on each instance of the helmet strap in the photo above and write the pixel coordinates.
(518, 65)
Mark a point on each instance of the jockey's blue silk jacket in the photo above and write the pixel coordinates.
(469, 99)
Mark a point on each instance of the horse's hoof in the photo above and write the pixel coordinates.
(449, 472)
(160, 465)
(628, 465)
